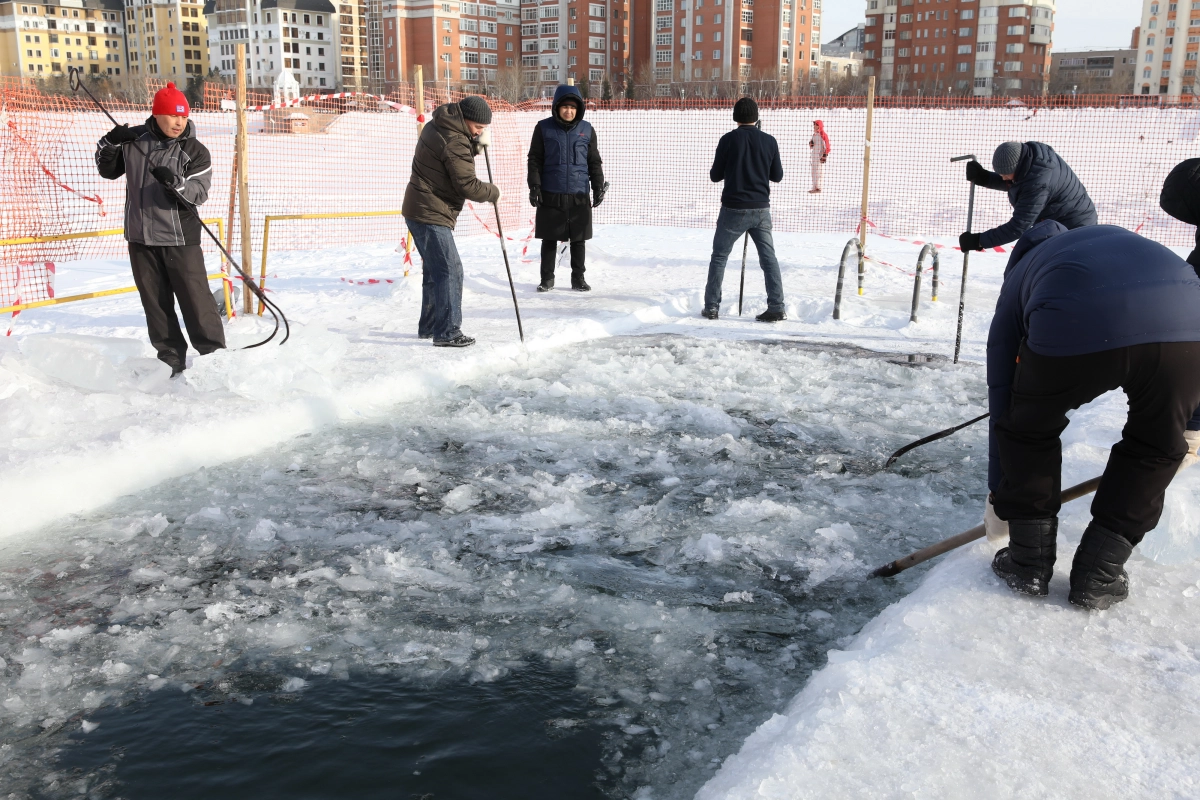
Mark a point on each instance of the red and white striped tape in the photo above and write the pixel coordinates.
(337, 96)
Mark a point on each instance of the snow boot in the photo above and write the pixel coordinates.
(710, 313)
(462, 340)
(771, 316)
(579, 284)
(1028, 562)
(1098, 577)
(546, 285)
(176, 370)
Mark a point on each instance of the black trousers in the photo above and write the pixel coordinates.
(1162, 382)
(550, 258)
(163, 274)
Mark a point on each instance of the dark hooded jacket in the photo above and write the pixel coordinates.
(443, 171)
(1043, 187)
(1097, 288)
(153, 214)
(1181, 199)
(564, 161)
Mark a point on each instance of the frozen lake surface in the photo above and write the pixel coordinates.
(656, 538)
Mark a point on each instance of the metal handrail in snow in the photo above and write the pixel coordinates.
(837, 297)
(916, 300)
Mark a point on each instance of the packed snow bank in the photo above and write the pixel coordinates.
(87, 414)
(964, 689)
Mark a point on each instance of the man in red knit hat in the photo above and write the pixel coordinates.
(167, 174)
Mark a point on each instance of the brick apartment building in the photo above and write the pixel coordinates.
(1167, 42)
(984, 48)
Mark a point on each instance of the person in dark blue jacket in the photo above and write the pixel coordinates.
(564, 162)
(1081, 313)
(1181, 199)
(1040, 186)
(748, 161)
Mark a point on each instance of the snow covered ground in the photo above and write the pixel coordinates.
(271, 505)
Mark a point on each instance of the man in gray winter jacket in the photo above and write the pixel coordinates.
(162, 162)
(1040, 186)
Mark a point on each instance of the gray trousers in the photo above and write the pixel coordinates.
(163, 274)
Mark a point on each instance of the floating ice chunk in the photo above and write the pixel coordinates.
(709, 547)
(294, 684)
(208, 514)
(264, 531)
(156, 525)
(220, 612)
(88, 727)
(556, 389)
(357, 583)
(738, 597)
(838, 531)
(635, 730)
(461, 498)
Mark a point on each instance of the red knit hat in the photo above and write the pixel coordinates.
(169, 100)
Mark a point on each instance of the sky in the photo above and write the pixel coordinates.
(1078, 23)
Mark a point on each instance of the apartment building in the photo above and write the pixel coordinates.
(1168, 40)
(44, 40)
(166, 39)
(1093, 71)
(729, 40)
(981, 47)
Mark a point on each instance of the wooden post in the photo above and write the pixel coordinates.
(229, 229)
(242, 185)
(419, 97)
(866, 183)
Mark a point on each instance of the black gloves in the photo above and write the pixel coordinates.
(120, 135)
(976, 173)
(968, 241)
(165, 176)
(535, 196)
(598, 194)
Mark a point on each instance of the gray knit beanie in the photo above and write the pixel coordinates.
(475, 109)
(1005, 159)
(745, 111)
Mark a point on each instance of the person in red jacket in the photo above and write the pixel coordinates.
(820, 151)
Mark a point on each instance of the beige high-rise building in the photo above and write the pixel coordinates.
(166, 39)
(44, 40)
(1167, 44)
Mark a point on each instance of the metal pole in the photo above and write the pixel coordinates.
(962, 292)
(742, 285)
(866, 184)
(243, 188)
(500, 230)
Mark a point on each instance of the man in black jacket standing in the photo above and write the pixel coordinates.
(748, 161)
(166, 168)
(564, 160)
(1040, 186)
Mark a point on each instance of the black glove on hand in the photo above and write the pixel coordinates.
(968, 242)
(165, 176)
(120, 134)
(976, 173)
(598, 195)
(535, 196)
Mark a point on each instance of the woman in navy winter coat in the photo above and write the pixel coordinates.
(564, 162)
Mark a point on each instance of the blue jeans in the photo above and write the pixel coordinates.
(731, 224)
(441, 281)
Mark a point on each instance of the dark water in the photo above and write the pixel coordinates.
(372, 736)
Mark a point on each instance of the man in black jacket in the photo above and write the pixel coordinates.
(564, 160)
(748, 161)
(162, 162)
(1181, 199)
(1040, 186)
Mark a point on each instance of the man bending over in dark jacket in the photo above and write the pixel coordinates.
(162, 162)
(748, 161)
(1040, 186)
(1074, 321)
(443, 177)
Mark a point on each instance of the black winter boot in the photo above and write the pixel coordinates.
(546, 285)
(1028, 562)
(579, 284)
(1098, 577)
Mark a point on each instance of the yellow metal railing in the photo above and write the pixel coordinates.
(267, 220)
(90, 295)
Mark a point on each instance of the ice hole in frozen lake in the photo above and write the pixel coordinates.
(682, 526)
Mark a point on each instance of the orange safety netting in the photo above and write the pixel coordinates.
(346, 153)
